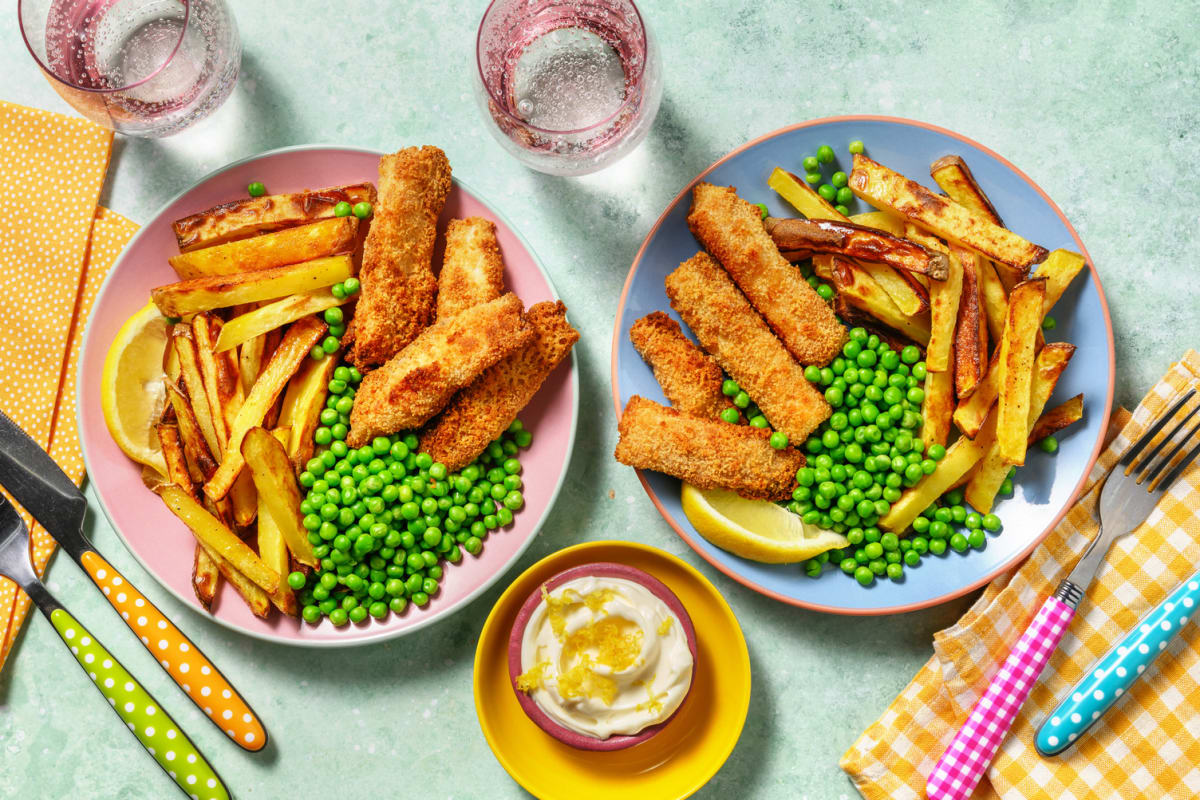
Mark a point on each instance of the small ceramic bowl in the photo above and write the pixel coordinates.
(534, 711)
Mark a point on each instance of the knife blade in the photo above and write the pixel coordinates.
(39, 484)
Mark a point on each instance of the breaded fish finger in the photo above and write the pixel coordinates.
(398, 286)
(733, 333)
(689, 378)
(482, 411)
(731, 229)
(472, 269)
(408, 390)
(707, 453)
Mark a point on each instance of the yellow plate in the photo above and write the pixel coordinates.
(673, 764)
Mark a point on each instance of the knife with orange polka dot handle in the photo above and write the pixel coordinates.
(38, 484)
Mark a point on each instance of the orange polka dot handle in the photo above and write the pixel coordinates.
(182, 660)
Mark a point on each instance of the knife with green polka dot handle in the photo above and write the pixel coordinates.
(163, 739)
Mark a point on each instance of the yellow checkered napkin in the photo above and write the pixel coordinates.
(56, 246)
(1148, 744)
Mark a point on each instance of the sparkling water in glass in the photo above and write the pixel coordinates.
(140, 67)
(568, 86)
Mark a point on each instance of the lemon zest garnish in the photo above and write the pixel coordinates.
(533, 678)
(665, 627)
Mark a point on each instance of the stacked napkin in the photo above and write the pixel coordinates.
(1148, 744)
(56, 246)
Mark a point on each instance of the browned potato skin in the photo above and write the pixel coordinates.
(1016, 365)
(244, 218)
(1061, 416)
(856, 241)
(885, 188)
(970, 333)
(289, 246)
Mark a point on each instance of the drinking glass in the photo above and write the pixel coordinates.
(140, 67)
(569, 86)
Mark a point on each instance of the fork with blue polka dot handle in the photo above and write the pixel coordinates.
(1146, 470)
(163, 739)
(1111, 676)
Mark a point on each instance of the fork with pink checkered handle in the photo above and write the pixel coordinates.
(1129, 495)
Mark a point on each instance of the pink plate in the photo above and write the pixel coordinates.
(161, 543)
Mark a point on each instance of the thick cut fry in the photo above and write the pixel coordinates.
(707, 453)
(1061, 416)
(219, 371)
(881, 221)
(291, 246)
(910, 297)
(224, 542)
(482, 411)
(273, 551)
(398, 285)
(863, 292)
(1016, 368)
(690, 378)
(973, 411)
(275, 315)
(995, 297)
(292, 351)
(406, 392)
(959, 458)
(204, 570)
(221, 291)
(193, 381)
(302, 407)
(198, 457)
(856, 241)
(731, 229)
(244, 218)
(944, 297)
(272, 472)
(258, 601)
(938, 408)
(989, 475)
(732, 332)
(1060, 269)
(970, 332)
(250, 360)
(472, 268)
(801, 197)
(955, 179)
(892, 191)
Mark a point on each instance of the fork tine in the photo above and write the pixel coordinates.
(1166, 460)
(1134, 451)
(1146, 463)
(1180, 467)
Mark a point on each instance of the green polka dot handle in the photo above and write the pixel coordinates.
(158, 733)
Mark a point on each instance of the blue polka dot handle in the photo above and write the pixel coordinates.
(1111, 676)
(158, 733)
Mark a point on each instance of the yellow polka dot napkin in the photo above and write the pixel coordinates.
(56, 246)
(1148, 744)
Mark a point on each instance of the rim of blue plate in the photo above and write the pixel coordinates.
(691, 538)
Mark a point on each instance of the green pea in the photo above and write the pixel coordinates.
(352, 285)
(1049, 445)
(825, 291)
(741, 400)
(810, 164)
(864, 576)
(828, 192)
(730, 415)
(841, 209)
(916, 395)
(834, 396)
(311, 614)
(362, 210)
(990, 522)
(317, 353)
(759, 422)
(339, 617)
(844, 195)
(895, 571)
(937, 546)
(1049, 323)
(838, 179)
(936, 452)
(256, 189)
(330, 344)
(1006, 488)
(730, 387)
(812, 178)
(342, 209)
(825, 154)
(762, 207)
(958, 543)
(857, 147)
(938, 529)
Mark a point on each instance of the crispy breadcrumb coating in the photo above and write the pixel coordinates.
(733, 333)
(689, 378)
(731, 229)
(472, 269)
(482, 411)
(408, 390)
(707, 453)
(398, 285)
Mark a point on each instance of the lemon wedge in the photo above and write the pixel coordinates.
(132, 396)
(755, 529)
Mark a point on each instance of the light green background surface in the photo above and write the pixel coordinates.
(1096, 101)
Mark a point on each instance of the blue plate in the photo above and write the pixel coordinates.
(1046, 486)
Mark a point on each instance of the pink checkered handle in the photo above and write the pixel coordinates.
(967, 758)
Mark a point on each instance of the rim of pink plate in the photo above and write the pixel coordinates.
(1035, 541)
(384, 635)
